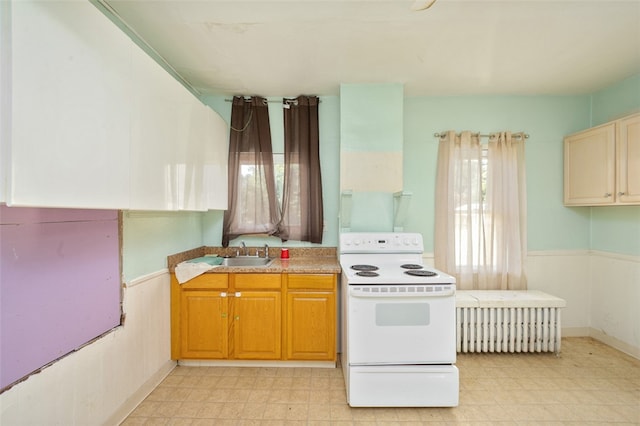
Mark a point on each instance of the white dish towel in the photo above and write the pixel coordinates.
(190, 269)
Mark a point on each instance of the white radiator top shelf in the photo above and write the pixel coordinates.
(507, 299)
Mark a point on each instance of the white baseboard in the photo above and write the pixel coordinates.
(138, 396)
(602, 337)
(634, 351)
(576, 332)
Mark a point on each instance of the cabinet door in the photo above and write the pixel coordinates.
(257, 325)
(204, 324)
(589, 167)
(159, 127)
(71, 97)
(311, 325)
(214, 153)
(628, 160)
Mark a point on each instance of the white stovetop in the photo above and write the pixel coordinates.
(389, 270)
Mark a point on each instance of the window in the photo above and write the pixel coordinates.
(481, 210)
(469, 214)
(274, 194)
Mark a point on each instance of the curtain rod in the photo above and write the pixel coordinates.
(269, 100)
(480, 135)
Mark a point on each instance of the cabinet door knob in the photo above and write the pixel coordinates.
(607, 195)
(621, 193)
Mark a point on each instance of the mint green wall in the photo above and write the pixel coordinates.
(620, 99)
(148, 238)
(616, 229)
(545, 118)
(371, 121)
(365, 104)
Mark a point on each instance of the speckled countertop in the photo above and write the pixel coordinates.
(302, 260)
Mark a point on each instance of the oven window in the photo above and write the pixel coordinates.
(402, 314)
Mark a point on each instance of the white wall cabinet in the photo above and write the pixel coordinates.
(97, 123)
(71, 86)
(602, 164)
(628, 159)
(159, 131)
(214, 156)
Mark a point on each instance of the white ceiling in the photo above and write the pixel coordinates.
(456, 47)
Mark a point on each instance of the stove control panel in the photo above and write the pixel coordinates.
(381, 242)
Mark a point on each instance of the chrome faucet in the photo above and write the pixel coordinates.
(244, 248)
(266, 251)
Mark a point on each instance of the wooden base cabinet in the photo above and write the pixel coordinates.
(311, 317)
(199, 317)
(256, 325)
(254, 317)
(204, 324)
(602, 164)
(227, 316)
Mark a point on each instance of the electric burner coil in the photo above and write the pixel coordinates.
(367, 274)
(421, 273)
(411, 266)
(364, 267)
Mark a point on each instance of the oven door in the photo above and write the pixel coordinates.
(400, 327)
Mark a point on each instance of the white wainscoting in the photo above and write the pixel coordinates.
(564, 274)
(615, 301)
(103, 381)
(602, 291)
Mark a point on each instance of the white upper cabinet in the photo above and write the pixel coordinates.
(70, 107)
(215, 153)
(97, 123)
(179, 146)
(602, 164)
(200, 174)
(159, 133)
(628, 159)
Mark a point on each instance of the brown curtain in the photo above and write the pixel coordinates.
(302, 209)
(253, 206)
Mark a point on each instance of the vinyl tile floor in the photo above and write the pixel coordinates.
(589, 383)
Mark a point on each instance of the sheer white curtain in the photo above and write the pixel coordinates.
(481, 211)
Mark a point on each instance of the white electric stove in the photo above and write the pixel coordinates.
(398, 333)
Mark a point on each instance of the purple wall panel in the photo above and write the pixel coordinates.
(59, 284)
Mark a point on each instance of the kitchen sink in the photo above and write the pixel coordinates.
(246, 261)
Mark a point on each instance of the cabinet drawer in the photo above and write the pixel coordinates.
(311, 281)
(256, 281)
(206, 282)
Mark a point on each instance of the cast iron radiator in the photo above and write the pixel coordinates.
(508, 321)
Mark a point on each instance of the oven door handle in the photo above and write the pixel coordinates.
(406, 295)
